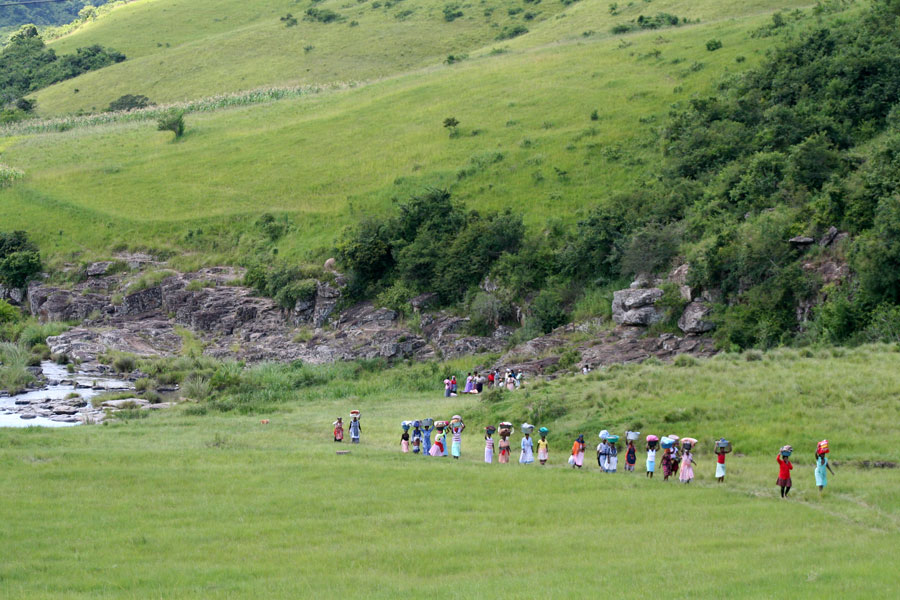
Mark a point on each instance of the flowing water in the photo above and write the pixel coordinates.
(61, 384)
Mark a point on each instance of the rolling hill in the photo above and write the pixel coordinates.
(524, 105)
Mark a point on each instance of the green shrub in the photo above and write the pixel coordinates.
(548, 310)
(172, 121)
(452, 12)
(509, 32)
(8, 312)
(129, 102)
(685, 360)
(124, 363)
(713, 45)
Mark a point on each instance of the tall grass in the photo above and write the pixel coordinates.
(153, 113)
(14, 360)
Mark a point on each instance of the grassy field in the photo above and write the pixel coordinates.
(179, 50)
(526, 141)
(175, 506)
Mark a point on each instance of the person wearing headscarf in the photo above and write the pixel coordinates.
(578, 452)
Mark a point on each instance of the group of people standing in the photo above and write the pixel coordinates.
(477, 382)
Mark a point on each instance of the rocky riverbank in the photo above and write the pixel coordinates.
(230, 321)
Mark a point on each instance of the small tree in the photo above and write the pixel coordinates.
(453, 125)
(129, 102)
(172, 121)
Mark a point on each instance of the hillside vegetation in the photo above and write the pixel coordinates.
(657, 138)
(221, 505)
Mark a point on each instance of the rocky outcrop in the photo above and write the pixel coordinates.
(15, 296)
(637, 306)
(55, 304)
(619, 345)
(318, 309)
(693, 319)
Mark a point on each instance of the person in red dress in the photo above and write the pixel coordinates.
(784, 470)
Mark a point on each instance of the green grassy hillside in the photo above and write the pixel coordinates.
(526, 140)
(183, 506)
(180, 50)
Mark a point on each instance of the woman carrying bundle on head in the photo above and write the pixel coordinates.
(427, 428)
(652, 446)
(417, 437)
(784, 470)
(527, 455)
(489, 444)
(822, 465)
(456, 429)
(437, 448)
(686, 475)
(543, 446)
(723, 447)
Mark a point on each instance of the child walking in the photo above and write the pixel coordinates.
(667, 464)
(687, 464)
(612, 458)
(489, 444)
(338, 430)
(437, 449)
(543, 446)
(630, 457)
(416, 437)
(456, 428)
(427, 428)
(784, 470)
(404, 442)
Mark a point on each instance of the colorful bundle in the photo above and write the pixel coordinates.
(632, 436)
(822, 447)
(667, 442)
(405, 425)
(689, 441)
(786, 451)
(652, 438)
(604, 434)
(543, 431)
(490, 429)
(612, 439)
(427, 423)
(527, 428)
(354, 413)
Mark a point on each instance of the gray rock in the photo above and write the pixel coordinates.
(636, 306)
(126, 403)
(142, 302)
(692, 320)
(98, 269)
(829, 236)
(423, 301)
(15, 296)
(801, 241)
(64, 410)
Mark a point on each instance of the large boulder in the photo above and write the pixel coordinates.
(141, 302)
(637, 306)
(693, 318)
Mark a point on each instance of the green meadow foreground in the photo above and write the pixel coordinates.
(219, 505)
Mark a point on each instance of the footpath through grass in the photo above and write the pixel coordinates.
(223, 506)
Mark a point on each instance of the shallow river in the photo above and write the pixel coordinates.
(84, 384)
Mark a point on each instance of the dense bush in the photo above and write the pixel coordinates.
(431, 244)
(26, 64)
(19, 259)
(172, 121)
(129, 102)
